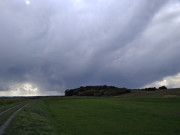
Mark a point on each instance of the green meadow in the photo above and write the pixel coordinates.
(7, 102)
(98, 116)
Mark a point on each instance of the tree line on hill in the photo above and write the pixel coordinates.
(96, 91)
(104, 90)
(154, 88)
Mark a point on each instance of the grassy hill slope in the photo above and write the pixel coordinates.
(157, 93)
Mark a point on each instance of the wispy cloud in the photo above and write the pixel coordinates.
(62, 44)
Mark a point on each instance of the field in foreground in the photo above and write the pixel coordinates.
(98, 116)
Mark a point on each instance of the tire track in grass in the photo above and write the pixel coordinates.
(1, 113)
(4, 126)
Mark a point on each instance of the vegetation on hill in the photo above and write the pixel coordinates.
(154, 88)
(96, 91)
(105, 90)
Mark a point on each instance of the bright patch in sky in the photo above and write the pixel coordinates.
(78, 1)
(26, 89)
(27, 2)
(169, 81)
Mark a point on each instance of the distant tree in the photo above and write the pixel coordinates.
(150, 89)
(163, 87)
(68, 93)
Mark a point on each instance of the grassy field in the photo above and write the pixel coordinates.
(174, 92)
(7, 102)
(99, 116)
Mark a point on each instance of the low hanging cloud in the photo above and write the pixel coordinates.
(169, 81)
(61, 44)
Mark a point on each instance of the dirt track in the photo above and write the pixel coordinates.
(7, 110)
(4, 126)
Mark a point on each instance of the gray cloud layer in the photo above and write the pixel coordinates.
(63, 44)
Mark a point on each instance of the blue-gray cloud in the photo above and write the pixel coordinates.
(65, 43)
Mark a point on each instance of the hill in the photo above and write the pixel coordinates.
(173, 92)
(96, 91)
(115, 91)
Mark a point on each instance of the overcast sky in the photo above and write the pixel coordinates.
(47, 46)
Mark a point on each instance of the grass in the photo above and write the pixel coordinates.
(99, 116)
(7, 102)
(31, 121)
(6, 115)
(173, 92)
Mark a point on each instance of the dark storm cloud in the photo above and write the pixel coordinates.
(68, 43)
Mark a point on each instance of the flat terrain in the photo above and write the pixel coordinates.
(123, 115)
